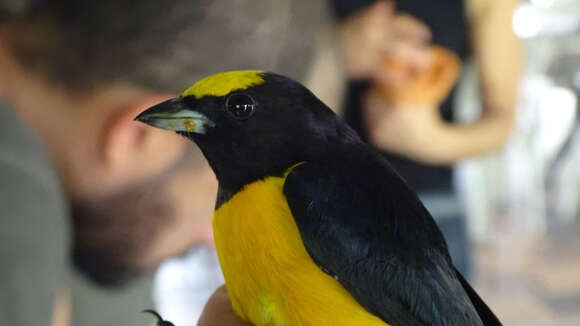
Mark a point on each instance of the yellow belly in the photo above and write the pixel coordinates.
(269, 275)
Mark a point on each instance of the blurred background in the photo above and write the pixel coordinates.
(514, 200)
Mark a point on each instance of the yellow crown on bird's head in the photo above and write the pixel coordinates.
(224, 83)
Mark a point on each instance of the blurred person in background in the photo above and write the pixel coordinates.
(419, 138)
(80, 180)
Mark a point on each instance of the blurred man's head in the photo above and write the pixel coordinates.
(79, 71)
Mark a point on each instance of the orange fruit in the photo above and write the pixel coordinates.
(422, 87)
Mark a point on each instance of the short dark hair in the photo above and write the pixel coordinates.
(161, 45)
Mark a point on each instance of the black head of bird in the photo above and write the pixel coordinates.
(252, 124)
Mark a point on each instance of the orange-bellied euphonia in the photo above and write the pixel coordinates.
(312, 225)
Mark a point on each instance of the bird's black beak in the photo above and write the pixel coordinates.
(174, 115)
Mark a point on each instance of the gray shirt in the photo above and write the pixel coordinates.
(35, 244)
(34, 235)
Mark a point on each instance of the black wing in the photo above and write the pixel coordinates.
(365, 227)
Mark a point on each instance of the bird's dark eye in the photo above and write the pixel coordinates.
(241, 106)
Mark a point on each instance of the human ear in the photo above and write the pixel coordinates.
(122, 139)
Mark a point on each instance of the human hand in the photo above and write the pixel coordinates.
(426, 86)
(377, 30)
(407, 45)
(218, 311)
(414, 132)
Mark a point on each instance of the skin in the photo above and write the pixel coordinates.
(62, 309)
(377, 30)
(99, 151)
(218, 311)
(421, 134)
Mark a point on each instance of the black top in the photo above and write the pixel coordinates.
(448, 23)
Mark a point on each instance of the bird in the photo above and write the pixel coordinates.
(160, 320)
(312, 226)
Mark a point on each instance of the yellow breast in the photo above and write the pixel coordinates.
(269, 274)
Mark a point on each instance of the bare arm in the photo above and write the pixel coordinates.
(498, 56)
(420, 133)
(61, 315)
